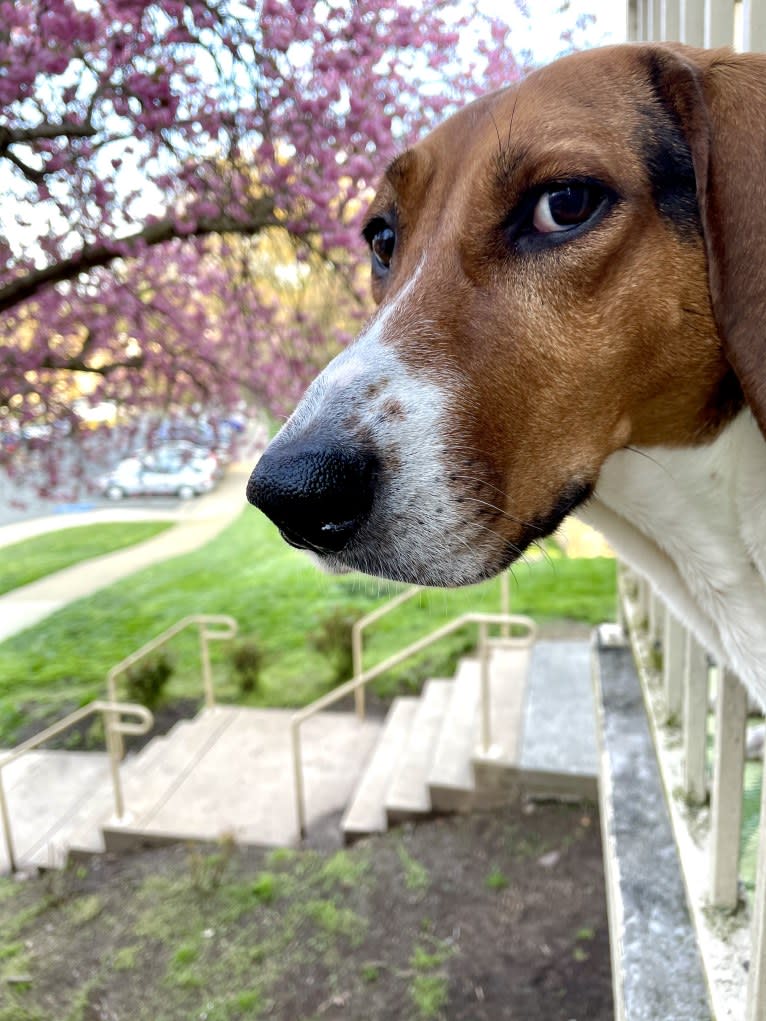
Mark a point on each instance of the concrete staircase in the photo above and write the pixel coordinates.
(428, 759)
(229, 770)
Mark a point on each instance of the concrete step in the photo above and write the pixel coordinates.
(158, 771)
(496, 770)
(558, 756)
(240, 783)
(82, 834)
(408, 796)
(366, 812)
(44, 789)
(79, 834)
(451, 780)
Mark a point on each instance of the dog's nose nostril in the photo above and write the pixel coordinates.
(318, 496)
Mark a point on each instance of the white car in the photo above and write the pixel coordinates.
(161, 472)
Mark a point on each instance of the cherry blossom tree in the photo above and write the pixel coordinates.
(182, 185)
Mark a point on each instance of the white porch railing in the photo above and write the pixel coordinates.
(709, 842)
(705, 798)
(738, 23)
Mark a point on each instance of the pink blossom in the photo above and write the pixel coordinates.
(163, 145)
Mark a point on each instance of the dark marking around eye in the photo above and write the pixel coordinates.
(669, 162)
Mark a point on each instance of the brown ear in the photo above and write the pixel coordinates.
(719, 98)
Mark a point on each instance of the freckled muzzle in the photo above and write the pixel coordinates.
(318, 494)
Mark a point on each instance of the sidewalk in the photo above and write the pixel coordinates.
(197, 523)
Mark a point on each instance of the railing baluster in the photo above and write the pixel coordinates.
(753, 25)
(656, 619)
(693, 22)
(673, 649)
(643, 597)
(756, 988)
(695, 721)
(727, 790)
(719, 22)
(670, 20)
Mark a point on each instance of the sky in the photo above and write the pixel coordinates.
(541, 32)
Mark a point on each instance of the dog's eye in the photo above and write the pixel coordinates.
(561, 209)
(382, 240)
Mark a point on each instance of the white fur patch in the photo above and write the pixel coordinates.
(692, 521)
(369, 395)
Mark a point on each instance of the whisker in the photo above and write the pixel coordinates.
(502, 513)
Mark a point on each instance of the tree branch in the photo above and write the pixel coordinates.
(47, 132)
(78, 365)
(103, 253)
(35, 176)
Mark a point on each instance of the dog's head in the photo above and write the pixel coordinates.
(565, 267)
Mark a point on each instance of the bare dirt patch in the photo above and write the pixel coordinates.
(483, 918)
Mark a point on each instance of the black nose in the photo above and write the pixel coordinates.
(319, 496)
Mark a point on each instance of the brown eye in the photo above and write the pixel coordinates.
(382, 241)
(566, 207)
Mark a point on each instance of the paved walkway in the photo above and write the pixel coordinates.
(197, 523)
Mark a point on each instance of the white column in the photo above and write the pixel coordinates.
(727, 791)
(670, 20)
(693, 22)
(673, 649)
(719, 22)
(695, 721)
(754, 25)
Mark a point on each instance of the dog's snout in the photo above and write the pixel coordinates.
(319, 496)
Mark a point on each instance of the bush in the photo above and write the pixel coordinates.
(247, 658)
(332, 638)
(146, 682)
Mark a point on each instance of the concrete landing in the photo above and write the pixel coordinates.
(558, 746)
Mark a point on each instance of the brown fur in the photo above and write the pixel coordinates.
(638, 332)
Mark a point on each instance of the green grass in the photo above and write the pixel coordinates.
(279, 599)
(27, 561)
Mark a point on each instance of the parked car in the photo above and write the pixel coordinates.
(200, 456)
(166, 471)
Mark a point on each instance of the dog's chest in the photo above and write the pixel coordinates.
(694, 522)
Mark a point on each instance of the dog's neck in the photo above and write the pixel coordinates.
(693, 521)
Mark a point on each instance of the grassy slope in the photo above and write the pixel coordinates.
(25, 562)
(276, 594)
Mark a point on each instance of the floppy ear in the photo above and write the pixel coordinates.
(719, 98)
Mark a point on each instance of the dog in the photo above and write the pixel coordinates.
(571, 285)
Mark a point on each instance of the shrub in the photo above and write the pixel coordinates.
(146, 682)
(247, 658)
(332, 639)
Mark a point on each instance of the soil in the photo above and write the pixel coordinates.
(485, 917)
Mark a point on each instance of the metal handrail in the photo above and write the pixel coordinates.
(483, 620)
(206, 622)
(357, 630)
(114, 728)
(359, 626)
